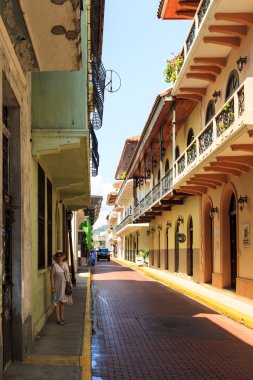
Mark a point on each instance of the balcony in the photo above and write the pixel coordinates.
(228, 122)
(46, 35)
(112, 217)
(127, 226)
(196, 24)
(124, 223)
(125, 192)
(158, 192)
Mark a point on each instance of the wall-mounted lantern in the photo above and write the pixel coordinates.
(212, 211)
(243, 199)
(241, 62)
(215, 96)
(180, 220)
(168, 224)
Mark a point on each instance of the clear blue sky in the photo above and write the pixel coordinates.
(136, 44)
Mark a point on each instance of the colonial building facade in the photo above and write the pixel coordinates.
(192, 168)
(47, 107)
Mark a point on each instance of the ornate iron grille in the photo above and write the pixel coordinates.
(94, 160)
(191, 37)
(98, 80)
(226, 118)
(203, 9)
(206, 138)
(241, 105)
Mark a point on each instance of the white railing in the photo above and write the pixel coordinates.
(124, 223)
(162, 188)
(215, 132)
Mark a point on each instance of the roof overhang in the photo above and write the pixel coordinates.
(160, 115)
(111, 198)
(125, 193)
(126, 156)
(177, 9)
(222, 31)
(130, 228)
(72, 181)
(46, 35)
(94, 209)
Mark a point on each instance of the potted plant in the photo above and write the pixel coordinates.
(144, 255)
(173, 67)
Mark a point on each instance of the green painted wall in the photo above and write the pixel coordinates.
(59, 99)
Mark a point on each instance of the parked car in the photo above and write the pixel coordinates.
(103, 253)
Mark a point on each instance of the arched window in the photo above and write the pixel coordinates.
(210, 111)
(177, 152)
(167, 166)
(232, 83)
(159, 175)
(190, 137)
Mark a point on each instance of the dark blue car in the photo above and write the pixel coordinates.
(103, 253)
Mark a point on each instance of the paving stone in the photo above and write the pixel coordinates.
(144, 330)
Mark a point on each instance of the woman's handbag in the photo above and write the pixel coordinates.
(68, 289)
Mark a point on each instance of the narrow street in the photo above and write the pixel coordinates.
(144, 330)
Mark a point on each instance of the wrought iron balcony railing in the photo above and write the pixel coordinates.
(162, 188)
(94, 155)
(124, 223)
(227, 119)
(98, 81)
(197, 21)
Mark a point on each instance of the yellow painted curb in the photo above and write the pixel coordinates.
(215, 305)
(85, 359)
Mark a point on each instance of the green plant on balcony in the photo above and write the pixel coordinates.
(226, 118)
(173, 68)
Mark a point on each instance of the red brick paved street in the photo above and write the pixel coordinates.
(144, 330)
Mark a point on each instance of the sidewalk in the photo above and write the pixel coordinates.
(61, 352)
(223, 301)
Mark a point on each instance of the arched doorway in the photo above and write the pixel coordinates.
(233, 241)
(208, 243)
(229, 237)
(190, 248)
(166, 265)
(176, 248)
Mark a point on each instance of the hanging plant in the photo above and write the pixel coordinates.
(173, 68)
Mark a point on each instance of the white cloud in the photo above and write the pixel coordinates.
(99, 187)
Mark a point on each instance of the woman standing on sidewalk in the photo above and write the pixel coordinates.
(59, 276)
